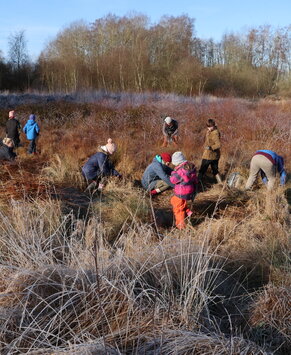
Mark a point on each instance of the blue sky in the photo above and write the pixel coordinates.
(42, 20)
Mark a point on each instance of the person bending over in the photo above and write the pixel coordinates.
(268, 164)
(99, 166)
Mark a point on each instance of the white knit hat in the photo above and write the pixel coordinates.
(178, 158)
(168, 120)
(110, 147)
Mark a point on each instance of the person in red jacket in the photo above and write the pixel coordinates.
(185, 180)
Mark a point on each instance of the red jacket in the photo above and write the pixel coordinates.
(185, 180)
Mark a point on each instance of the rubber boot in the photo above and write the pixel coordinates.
(218, 179)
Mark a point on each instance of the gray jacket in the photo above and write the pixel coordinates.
(156, 171)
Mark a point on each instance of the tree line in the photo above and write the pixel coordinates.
(130, 54)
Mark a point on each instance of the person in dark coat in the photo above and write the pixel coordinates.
(12, 129)
(31, 129)
(156, 177)
(170, 131)
(6, 150)
(99, 166)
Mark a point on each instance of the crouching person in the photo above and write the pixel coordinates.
(6, 150)
(185, 180)
(268, 164)
(99, 166)
(156, 177)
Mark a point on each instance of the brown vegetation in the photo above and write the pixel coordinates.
(107, 274)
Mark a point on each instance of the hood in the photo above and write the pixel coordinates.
(30, 122)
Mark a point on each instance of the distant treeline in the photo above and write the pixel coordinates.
(129, 54)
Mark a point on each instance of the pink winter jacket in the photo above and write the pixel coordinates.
(185, 180)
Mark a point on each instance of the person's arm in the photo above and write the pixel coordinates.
(163, 176)
(24, 129)
(216, 144)
(281, 170)
(164, 129)
(106, 167)
(175, 178)
(37, 129)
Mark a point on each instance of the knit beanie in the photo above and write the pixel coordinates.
(178, 158)
(32, 117)
(11, 114)
(166, 157)
(110, 146)
(168, 120)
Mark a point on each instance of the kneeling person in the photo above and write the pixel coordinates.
(99, 166)
(156, 177)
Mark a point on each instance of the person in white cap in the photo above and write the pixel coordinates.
(99, 166)
(170, 131)
(185, 182)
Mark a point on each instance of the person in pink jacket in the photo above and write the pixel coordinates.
(185, 182)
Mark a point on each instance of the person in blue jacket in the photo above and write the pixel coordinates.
(31, 129)
(99, 166)
(156, 177)
(268, 164)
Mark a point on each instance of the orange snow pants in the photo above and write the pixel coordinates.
(179, 209)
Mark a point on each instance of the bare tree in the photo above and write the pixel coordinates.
(18, 55)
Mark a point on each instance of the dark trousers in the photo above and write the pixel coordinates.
(32, 146)
(205, 164)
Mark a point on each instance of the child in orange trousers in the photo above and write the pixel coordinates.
(185, 180)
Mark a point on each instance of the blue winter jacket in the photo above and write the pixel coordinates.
(99, 165)
(31, 129)
(156, 171)
(279, 162)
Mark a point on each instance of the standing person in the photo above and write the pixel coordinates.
(170, 131)
(268, 163)
(31, 129)
(211, 152)
(12, 128)
(185, 180)
(99, 166)
(156, 177)
(6, 150)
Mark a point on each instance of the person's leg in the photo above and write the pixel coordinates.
(270, 171)
(214, 167)
(160, 186)
(179, 210)
(204, 166)
(175, 140)
(33, 143)
(30, 147)
(165, 141)
(255, 167)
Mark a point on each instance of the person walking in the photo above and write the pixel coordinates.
(268, 164)
(185, 180)
(170, 131)
(211, 152)
(31, 129)
(6, 150)
(99, 166)
(156, 177)
(13, 128)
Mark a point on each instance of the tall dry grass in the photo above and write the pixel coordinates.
(116, 282)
